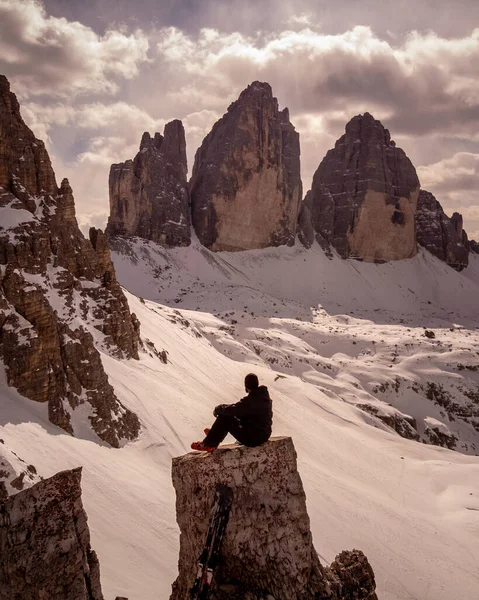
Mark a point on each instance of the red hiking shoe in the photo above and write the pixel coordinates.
(201, 447)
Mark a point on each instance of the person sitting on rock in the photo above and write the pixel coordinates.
(249, 420)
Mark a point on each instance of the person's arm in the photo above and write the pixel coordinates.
(242, 408)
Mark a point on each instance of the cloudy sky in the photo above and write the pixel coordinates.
(91, 76)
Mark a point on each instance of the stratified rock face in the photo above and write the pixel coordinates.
(364, 195)
(442, 236)
(45, 543)
(267, 549)
(246, 184)
(149, 195)
(58, 291)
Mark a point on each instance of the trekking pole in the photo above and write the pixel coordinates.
(210, 555)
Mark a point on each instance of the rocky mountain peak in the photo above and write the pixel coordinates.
(443, 236)
(363, 197)
(246, 185)
(149, 195)
(58, 292)
(255, 93)
(367, 129)
(174, 145)
(151, 142)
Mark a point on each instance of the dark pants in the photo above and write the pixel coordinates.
(224, 425)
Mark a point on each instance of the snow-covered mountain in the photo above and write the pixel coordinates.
(324, 336)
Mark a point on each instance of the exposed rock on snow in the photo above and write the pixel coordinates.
(45, 543)
(15, 473)
(268, 547)
(363, 196)
(58, 291)
(149, 195)
(443, 236)
(246, 184)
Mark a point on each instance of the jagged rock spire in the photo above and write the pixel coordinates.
(442, 236)
(246, 186)
(149, 196)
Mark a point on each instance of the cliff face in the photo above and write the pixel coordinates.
(57, 290)
(45, 543)
(149, 195)
(267, 549)
(363, 197)
(442, 236)
(246, 186)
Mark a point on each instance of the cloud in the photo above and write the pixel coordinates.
(455, 179)
(455, 183)
(426, 84)
(52, 56)
(90, 94)
(303, 19)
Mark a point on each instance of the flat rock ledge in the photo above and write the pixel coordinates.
(45, 551)
(267, 551)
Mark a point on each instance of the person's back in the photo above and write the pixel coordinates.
(249, 420)
(258, 422)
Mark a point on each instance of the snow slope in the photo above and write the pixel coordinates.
(356, 330)
(412, 508)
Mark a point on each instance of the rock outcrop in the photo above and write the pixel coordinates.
(149, 195)
(267, 549)
(45, 543)
(15, 473)
(442, 236)
(474, 246)
(59, 297)
(363, 197)
(246, 185)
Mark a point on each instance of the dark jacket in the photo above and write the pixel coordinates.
(255, 411)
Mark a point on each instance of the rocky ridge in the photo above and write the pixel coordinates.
(149, 195)
(474, 246)
(363, 197)
(45, 543)
(59, 297)
(267, 549)
(246, 185)
(441, 235)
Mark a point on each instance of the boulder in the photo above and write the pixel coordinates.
(246, 183)
(267, 549)
(45, 543)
